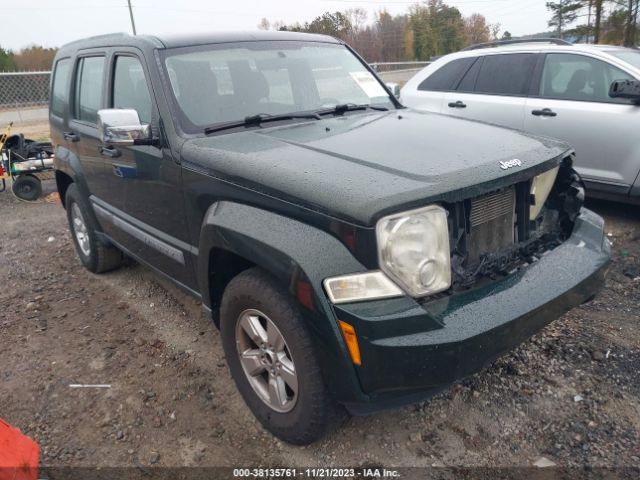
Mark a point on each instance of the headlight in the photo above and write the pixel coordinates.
(413, 249)
(540, 188)
(360, 286)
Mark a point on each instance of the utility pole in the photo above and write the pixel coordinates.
(133, 23)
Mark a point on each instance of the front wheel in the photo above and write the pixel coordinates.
(272, 358)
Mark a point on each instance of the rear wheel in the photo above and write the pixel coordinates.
(27, 187)
(95, 256)
(272, 358)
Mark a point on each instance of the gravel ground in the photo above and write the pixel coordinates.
(570, 395)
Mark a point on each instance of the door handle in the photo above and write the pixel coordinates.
(110, 152)
(458, 104)
(72, 137)
(545, 112)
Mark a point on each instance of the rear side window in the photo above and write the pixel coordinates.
(468, 82)
(506, 74)
(89, 87)
(130, 89)
(446, 77)
(60, 87)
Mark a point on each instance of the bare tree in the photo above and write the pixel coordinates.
(476, 29)
(495, 30)
(264, 24)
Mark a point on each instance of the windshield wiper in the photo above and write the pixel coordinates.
(349, 107)
(258, 119)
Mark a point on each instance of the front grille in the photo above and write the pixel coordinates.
(492, 220)
(493, 235)
(492, 206)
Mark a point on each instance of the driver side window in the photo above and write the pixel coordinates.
(580, 78)
(130, 89)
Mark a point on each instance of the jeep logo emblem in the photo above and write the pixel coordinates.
(510, 164)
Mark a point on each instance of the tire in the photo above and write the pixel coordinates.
(254, 293)
(27, 187)
(95, 256)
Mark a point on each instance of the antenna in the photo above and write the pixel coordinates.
(133, 23)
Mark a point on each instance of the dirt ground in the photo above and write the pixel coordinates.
(570, 395)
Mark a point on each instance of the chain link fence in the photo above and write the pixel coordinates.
(24, 97)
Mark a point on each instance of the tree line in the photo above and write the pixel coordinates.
(27, 59)
(433, 28)
(600, 21)
(426, 30)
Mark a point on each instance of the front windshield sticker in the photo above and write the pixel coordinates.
(369, 85)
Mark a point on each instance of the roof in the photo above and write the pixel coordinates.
(542, 47)
(183, 40)
(600, 51)
(190, 39)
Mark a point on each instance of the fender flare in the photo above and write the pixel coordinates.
(67, 162)
(293, 252)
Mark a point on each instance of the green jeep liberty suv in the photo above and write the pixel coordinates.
(355, 254)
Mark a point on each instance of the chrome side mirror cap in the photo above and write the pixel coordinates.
(121, 126)
(394, 87)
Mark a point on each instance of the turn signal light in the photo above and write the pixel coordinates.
(351, 340)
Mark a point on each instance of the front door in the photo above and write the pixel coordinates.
(152, 219)
(573, 104)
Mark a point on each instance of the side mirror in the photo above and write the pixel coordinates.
(395, 88)
(120, 126)
(625, 89)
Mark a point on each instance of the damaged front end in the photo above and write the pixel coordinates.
(496, 234)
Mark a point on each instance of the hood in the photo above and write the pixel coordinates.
(359, 167)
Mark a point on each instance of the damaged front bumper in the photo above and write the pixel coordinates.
(411, 350)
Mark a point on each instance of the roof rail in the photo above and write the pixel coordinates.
(496, 43)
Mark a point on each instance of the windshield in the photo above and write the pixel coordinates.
(630, 56)
(228, 82)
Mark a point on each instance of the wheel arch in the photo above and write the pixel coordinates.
(68, 170)
(63, 181)
(296, 255)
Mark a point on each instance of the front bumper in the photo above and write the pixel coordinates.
(410, 351)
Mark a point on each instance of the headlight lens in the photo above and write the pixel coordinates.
(360, 286)
(413, 249)
(540, 189)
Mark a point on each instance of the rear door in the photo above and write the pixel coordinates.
(429, 93)
(572, 102)
(89, 93)
(493, 90)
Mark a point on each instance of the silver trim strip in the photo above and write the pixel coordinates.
(144, 237)
(184, 246)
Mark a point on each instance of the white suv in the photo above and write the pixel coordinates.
(547, 87)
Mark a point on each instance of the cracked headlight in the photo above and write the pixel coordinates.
(413, 250)
(540, 188)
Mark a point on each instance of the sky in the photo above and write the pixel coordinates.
(54, 22)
